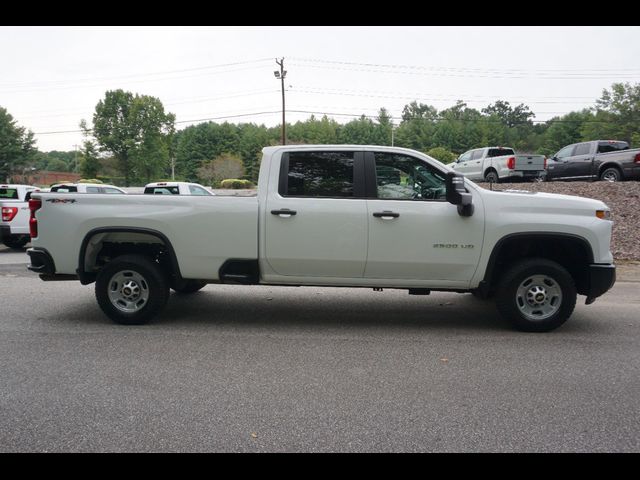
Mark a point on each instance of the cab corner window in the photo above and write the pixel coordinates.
(319, 174)
(401, 177)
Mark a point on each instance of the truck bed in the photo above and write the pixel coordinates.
(204, 231)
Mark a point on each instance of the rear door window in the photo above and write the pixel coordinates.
(318, 174)
(10, 193)
(477, 154)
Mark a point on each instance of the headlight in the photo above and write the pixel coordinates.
(603, 214)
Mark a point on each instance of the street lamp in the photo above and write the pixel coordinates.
(282, 75)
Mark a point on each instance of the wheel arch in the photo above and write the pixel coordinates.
(604, 166)
(569, 250)
(89, 251)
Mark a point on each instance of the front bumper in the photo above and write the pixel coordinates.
(601, 279)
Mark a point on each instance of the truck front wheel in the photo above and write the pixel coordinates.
(536, 295)
(131, 289)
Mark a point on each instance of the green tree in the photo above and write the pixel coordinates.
(199, 143)
(89, 161)
(223, 167)
(17, 146)
(509, 115)
(616, 114)
(384, 128)
(136, 130)
(358, 132)
(565, 130)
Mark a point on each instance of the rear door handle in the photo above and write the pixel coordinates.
(386, 214)
(284, 213)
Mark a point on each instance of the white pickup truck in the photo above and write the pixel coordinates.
(14, 228)
(499, 164)
(175, 188)
(333, 215)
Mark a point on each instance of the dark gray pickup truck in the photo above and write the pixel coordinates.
(610, 160)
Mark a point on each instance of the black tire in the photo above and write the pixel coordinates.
(187, 286)
(131, 289)
(611, 174)
(536, 295)
(16, 242)
(492, 177)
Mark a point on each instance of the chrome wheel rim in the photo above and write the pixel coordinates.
(610, 176)
(538, 297)
(128, 291)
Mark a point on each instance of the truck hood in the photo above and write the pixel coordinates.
(527, 201)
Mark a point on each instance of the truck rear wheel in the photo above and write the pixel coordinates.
(491, 177)
(131, 289)
(611, 174)
(536, 295)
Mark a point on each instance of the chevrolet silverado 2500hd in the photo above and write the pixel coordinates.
(333, 215)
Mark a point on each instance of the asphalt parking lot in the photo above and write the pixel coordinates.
(312, 369)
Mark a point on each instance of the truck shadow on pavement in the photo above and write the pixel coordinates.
(333, 307)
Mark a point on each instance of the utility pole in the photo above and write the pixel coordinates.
(75, 168)
(281, 75)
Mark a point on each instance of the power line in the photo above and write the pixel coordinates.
(560, 74)
(353, 93)
(134, 75)
(76, 86)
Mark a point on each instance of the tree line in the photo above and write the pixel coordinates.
(131, 140)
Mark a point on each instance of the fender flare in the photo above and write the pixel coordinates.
(87, 277)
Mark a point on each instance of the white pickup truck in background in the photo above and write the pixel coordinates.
(176, 188)
(333, 215)
(499, 164)
(14, 229)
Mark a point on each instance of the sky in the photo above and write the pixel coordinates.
(52, 77)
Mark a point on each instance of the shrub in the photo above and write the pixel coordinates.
(442, 154)
(89, 180)
(236, 183)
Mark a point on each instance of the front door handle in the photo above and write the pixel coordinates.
(386, 215)
(284, 213)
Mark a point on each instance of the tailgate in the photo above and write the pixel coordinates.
(529, 162)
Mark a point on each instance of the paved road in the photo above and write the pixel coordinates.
(312, 369)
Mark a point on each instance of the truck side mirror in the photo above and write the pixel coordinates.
(457, 194)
